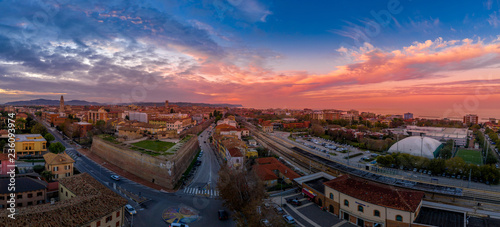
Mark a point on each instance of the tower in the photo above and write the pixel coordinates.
(166, 104)
(61, 105)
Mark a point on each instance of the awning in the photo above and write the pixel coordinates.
(308, 193)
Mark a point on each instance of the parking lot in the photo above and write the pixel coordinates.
(308, 214)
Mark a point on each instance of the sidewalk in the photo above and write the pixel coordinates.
(122, 172)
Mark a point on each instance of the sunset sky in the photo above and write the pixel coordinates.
(432, 58)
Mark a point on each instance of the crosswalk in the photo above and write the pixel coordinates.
(202, 192)
(71, 153)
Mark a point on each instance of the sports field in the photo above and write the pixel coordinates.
(470, 156)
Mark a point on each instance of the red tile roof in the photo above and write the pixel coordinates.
(273, 164)
(235, 152)
(265, 174)
(375, 193)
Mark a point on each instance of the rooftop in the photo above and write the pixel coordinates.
(23, 184)
(93, 201)
(375, 193)
(30, 138)
(272, 164)
(56, 159)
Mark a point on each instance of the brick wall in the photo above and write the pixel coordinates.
(152, 169)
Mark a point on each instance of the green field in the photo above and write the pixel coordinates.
(470, 156)
(157, 145)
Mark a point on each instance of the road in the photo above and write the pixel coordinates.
(150, 212)
(205, 178)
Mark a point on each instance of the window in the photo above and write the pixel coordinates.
(30, 195)
(40, 193)
(399, 218)
(108, 219)
(376, 213)
(360, 208)
(331, 196)
(346, 203)
(56, 176)
(118, 214)
(117, 223)
(66, 193)
(61, 190)
(98, 224)
(2, 197)
(30, 203)
(19, 196)
(56, 168)
(19, 204)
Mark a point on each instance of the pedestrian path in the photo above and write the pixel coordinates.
(201, 192)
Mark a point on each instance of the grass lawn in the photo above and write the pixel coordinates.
(157, 145)
(470, 156)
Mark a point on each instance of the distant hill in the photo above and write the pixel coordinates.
(183, 104)
(47, 102)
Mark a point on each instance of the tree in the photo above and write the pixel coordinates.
(49, 137)
(47, 175)
(317, 130)
(242, 192)
(38, 169)
(127, 118)
(57, 147)
(38, 113)
(39, 129)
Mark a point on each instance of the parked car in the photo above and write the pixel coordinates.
(278, 209)
(265, 222)
(130, 209)
(115, 177)
(223, 215)
(294, 202)
(178, 225)
(289, 219)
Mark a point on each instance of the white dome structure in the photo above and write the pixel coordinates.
(413, 145)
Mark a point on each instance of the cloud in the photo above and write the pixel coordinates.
(493, 20)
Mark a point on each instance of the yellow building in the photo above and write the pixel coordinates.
(61, 165)
(30, 144)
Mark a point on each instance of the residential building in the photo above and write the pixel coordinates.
(138, 116)
(5, 163)
(366, 203)
(94, 116)
(270, 169)
(292, 125)
(355, 113)
(408, 116)
(228, 121)
(267, 127)
(61, 165)
(129, 133)
(30, 144)
(29, 191)
(83, 201)
(81, 128)
(471, 119)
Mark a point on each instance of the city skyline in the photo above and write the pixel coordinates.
(385, 57)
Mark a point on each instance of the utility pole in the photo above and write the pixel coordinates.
(397, 143)
(422, 146)
(470, 172)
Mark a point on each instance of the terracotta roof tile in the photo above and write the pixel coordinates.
(375, 193)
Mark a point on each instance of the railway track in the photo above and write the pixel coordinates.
(281, 151)
(302, 158)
